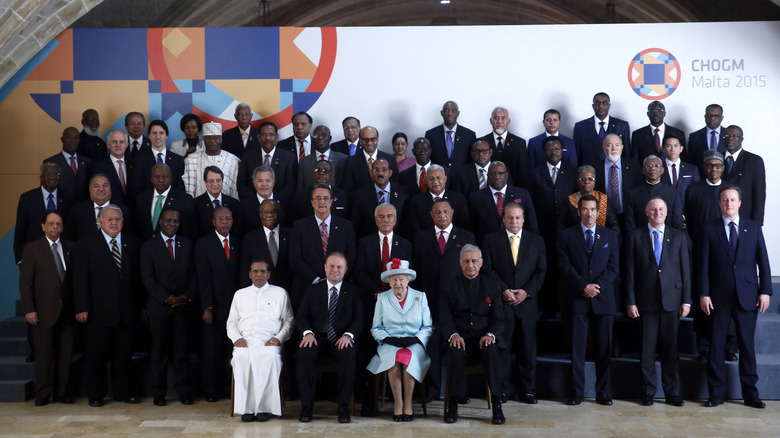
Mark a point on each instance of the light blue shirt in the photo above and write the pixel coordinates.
(165, 241)
(108, 241)
(46, 196)
(726, 223)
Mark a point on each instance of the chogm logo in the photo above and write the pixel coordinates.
(654, 74)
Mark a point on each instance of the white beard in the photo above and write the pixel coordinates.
(499, 131)
(613, 158)
(95, 133)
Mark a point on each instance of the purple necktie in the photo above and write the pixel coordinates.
(733, 238)
(614, 186)
(674, 175)
(442, 242)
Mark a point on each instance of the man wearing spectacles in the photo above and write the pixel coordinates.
(323, 150)
(358, 171)
(589, 133)
(648, 140)
(652, 169)
(710, 137)
(322, 173)
(283, 163)
(746, 171)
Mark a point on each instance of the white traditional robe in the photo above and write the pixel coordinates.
(198, 161)
(257, 315)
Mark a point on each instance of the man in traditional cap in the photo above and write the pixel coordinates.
(212, 155)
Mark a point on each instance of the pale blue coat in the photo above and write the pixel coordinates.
(391, 320)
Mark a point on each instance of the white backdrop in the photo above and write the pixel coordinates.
(396, 78)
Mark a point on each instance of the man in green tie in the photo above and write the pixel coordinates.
(149, 204)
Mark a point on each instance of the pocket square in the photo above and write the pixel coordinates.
(605, 245)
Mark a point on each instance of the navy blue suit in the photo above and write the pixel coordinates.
(698, 143)
(537, 158)
(643, 142)
(588, 143)
(462, 139)
(687, 174)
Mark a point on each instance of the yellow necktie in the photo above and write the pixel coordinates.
(514, 245)
(370, 163)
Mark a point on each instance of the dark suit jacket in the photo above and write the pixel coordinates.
(461, 152)
(537, 158)
(408, 178)
(177, 199)
(118, 196)
(163, 276)
(39, 283)
(368, 266)
(644, 278)
(439, 268)
(588, 144)
(218, 277)
(132, 154)
(366, 202)
(92, 147)
(29, 212)
(528, 274)
(721, 274)
(643, 142)
(514, 156)
(313, 311)
(342, 146)
(580, 267)
(302, 204)
(232, 142)
(73, 184)
(289, 144)
(284, 164)
(82, 221)
(641, 194)
(418, 213)
(307, 258)
(632, 177)
(204, 214)
(698, 143)
(463, 179)
(142, 170)
(552, 201)
(112, 296)
(356, 174)
(484, 213)
(338, 163)
(750, 175)
(472, 313)
(687, 174)
(255, 246)
(249, 210)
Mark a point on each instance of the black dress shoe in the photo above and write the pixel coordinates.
(305, 416)
(462, 400)
(262, 417)
(432, 397)
(498, 414)
(604, 401)
(96, 403)
(131, 400)
(41, 401)
(186, 400)
(503, 397)
(647, 401)
(344, 414)
(757, 403)
(64, 400)
(248, 418)
(398, 418)
(159, 400)
(211, 398)
(711, 403)
(528, 398)
(675, 401)
(573, 401)
(451, 416)
(408, 417)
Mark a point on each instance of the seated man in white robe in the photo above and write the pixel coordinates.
(260, 320)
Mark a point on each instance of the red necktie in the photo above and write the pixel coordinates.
(657, 141)
(227, 249)
(500, 203)
(324, 237)
(385, 254)
(423, 181)
(442, 242)
(121, 175)
(73, 164)
(170, 247)
(322, 156)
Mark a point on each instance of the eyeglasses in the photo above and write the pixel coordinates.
(322, 198)
(318, 170)
(732, 136)
(651, 166)
(224, 219)
(586, 179)
(369, 140)
(713, 165)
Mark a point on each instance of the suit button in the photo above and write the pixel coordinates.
(659, 271)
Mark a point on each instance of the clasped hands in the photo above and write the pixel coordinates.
(514, 297)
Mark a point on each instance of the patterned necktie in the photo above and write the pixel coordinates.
(385, 254)
(73, 164)
(122, 174)
(500, 145)
(273, 248)
(500, 203)
(324, 237)
(657, 141)
(50, 205)
(442, 242)
(157, 209)
(657, 247)
(97, 216)
(245, 137)
(729, 164)
(332, 305)
(267, 161)
(380, 195)
(733, 237)
(58, 261)
(602, 133)
(514, 245)
(116, 254)
(589, 239)
(170, 248)
(674, 175)
(449, 144)
(301, 149)
(160, 158)
(614, 187)
(216, 204)
(713, 140)
(423, 181)
(226, 247)
(482, 179)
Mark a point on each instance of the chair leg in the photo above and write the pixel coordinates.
(489, 394)
(384, 392)
(424, 398)
(233, 393)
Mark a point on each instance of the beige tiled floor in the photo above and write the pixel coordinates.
(548, 418)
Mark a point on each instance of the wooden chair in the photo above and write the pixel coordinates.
(468, 369)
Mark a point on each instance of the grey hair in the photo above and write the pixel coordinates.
(471, 248)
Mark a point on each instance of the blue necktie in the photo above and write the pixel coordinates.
(589, 239)
(332, 304)
(381, 196)
(657, 247)
(352, 149)
(602, 133)
(729, 164)
(713, 141)
(216, 204)
(50, 205)
(448, 141)
(160, 158)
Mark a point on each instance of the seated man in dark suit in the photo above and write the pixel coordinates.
(329, 319)
(678, 174)
(536, 154)
(381, 191)
(149, 205)
(322, 151)
(167, 271)
(108, 301)
(243, 137)
(350, 145)
(733, 249)
(322, 173)
(268, 154)
(270, 242)
(473, 176)
(206, 203)
(648, 140)
(588, 255)
(300, 142)
(74, 167)
(34, 203)
(157, 154)
(471, 321)
(83, 217)
(90, 143)
(450, 142)
(516, 257)
(264, 180)
(419, 210)
(217, 263)
(590, 133)
(710, 137)
(652, 169)
(46, 290)
(745, 170)
(657, 285)
(358, 169)
(415, 178)
(508, 148)
(117, 169)
(487, 205)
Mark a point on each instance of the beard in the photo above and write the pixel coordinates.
(613, 157)
(94, 133)
(499, 131)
